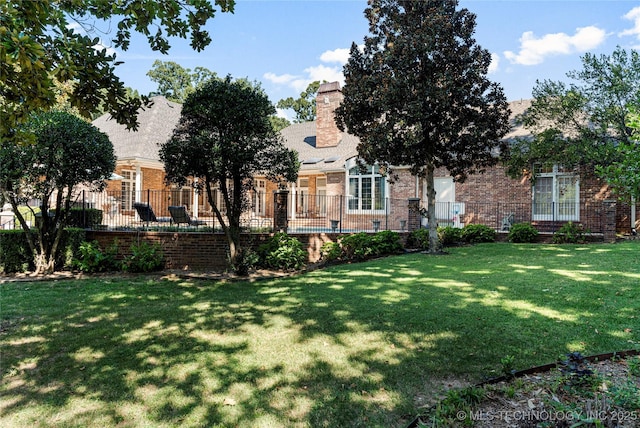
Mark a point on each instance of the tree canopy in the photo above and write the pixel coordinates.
(68, 151)
(39, 46)
(623, 174)
(224, 139)
(580, 123)
(304, 106)
(176, 82)
(417, 94)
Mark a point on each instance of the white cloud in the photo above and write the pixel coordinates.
(534, 50)
(318, 72)
(283, 79)
(632, 15)
(341, 56)
(495, 63)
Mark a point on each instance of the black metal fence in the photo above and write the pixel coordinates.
(315, 213)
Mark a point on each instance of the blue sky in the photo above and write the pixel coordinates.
(286, 44)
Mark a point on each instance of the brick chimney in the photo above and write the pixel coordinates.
(329, 98)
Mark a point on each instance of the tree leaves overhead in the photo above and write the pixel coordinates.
(37, 45)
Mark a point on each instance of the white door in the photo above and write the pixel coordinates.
(445, 198)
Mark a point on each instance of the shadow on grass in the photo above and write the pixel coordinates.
(353, 345)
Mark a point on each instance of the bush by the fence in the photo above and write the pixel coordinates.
(523, 233)
(144, 258)
(92, 258)
(87, 218)
(283, 252)
(449, 235)
(570, 233)
(477, 233)
(419, 238)
(15, 255)
(361, 246)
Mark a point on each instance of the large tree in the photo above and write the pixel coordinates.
(224, 138)
(580, 123)
(67, 151)
(305, 105)
(623, 174)
(176, 82)
(38, 46)
(417, 94)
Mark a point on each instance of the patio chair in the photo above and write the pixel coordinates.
(179, 215)
(507, 221)
(146, 214)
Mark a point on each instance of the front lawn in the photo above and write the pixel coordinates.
(353, 345)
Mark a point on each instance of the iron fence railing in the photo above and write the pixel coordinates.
(318, 213)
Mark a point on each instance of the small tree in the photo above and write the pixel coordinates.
(224, 138)
(68, 151)
(417, 95)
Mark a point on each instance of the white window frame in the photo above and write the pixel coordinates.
(128, 189)
(357, 203)
(558, 208)
(259, 197)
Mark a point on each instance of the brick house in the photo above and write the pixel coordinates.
(329, 176)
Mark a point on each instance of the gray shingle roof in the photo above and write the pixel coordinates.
(301, 137)
(156, 125)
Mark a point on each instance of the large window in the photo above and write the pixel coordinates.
(556, 194)
(367, 188)
(258, 197)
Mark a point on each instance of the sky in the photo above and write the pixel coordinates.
(286, 44)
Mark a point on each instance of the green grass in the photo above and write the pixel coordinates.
(353, 345)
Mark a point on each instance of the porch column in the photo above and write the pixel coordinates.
(280, 211)
(415, 219)
(293, 201)
(195, 199)
(609, 220)
(138, 195)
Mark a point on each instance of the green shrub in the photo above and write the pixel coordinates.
(92, 259)
(246, 259)
(449, 235)
(357, 246)
(283, 252)
(523, 233)
(477, 233)
(72, 238)
(570, 233)
(87, 218)
(330, 251)
(386, 242)
(419, 238)
(15, 255)
(144, 258)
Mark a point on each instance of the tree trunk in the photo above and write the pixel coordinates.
(43, 264)
(434, 242)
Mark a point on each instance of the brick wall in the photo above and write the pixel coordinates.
(199, 251)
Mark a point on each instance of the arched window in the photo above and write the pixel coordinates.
(366, 188)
